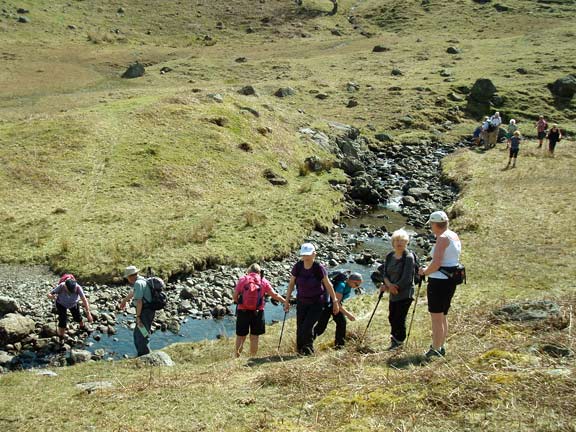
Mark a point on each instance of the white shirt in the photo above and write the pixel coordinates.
(451, 257)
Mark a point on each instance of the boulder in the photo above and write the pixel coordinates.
(380, 48)
(23, 19)
(8, 305)
(528, 311)
(482, 97)
(157, 358)
(285, 92)
(80, 356)
(135, 70)
(273, 178)
(483, 90)
(248, 91)
(453, 50)
(5, 358)
(418, 192)
(397, 72)
(15, 327)
(384, 137)
(314, 163)
(188, 293)
(564, 87)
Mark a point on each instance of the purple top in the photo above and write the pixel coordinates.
(309, 283)
(65, 298)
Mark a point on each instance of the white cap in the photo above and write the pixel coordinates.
(130, 270)
(438, 216)
(307, 249)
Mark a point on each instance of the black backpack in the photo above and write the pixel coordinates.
(337, 276)
(159, 298)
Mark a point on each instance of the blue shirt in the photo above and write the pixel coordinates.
(141, 290)
(515, 143)
(344, 289)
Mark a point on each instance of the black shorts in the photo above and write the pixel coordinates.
(250, 322)
(63, 315)
(440, 293)
(514, 152)
(542, 135)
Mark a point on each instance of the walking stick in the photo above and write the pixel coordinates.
(373, 312)
(414, 310)
(282, 331)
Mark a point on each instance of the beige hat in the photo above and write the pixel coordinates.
(130, 270)
(438, 216)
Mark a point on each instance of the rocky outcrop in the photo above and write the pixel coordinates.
(15, 327)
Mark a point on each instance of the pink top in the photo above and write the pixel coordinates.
(541, 125)
(266, 288)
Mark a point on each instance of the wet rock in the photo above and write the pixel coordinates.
(157, 358)
(8, 305)
(285, 92)
(79, 356)
(15, 327)
(528, 311)
(564, 87)
(135, 70)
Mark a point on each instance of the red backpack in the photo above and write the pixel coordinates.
(65, 277)
(251, 296)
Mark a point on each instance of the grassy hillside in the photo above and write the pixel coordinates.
(98, 171)
(495, 377)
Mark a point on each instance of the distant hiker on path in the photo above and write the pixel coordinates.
(541, 126)
(512, 127)
(140, 293)
(311, 280)
(250, 296)
(343, 289)
(441, 288)
(398, 274)
(514, 149)
(554, 136)
(67, 294)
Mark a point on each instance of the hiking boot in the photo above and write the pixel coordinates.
(394, 345)
(431, 353)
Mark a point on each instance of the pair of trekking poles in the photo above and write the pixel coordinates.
(411, 319)
(371, 316)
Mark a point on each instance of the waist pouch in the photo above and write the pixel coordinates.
(456, 274)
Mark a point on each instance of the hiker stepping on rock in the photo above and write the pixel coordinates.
(343, 286)
(67, 294)
(250, 296)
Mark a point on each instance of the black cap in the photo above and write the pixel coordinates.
(70, 284)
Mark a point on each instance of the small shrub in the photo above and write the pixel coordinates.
(202, 231)
(303, 169)
(305, 187)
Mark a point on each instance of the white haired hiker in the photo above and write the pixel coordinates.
(512, 127)
(441, 284)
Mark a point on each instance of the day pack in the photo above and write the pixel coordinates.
(159, 299)
(65, 277)
(251, 297)
(491, 127)
(456, 274)
(338, 276)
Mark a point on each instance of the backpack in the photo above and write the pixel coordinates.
(65, 277)
(159, 299)
(491, 126)
(251, 297)
(338, 276)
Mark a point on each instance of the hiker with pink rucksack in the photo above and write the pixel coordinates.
(250, 296)
(67, 294)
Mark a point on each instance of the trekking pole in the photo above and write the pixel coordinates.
(373, 312)
(414, 310)
(282, 331)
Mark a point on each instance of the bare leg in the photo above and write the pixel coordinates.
(239, 345)
(439, 329)
(253, 345)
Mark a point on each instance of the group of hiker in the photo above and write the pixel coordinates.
(318, 297)
(487, 135)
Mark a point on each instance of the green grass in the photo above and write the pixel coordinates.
(493, 378)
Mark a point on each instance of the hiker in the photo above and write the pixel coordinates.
(140, 294)
(512, 127)
(441, 288)
(249, 295)
(398, 274)
(493, 127)
(514, 149)
(343, 289)
(312, 283)
(477, 136)
(554, 136)
(67, 294)
(541, 126)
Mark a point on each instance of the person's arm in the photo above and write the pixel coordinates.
(126, 299)
(236, 295)
(139, 304)
(343, 310)
(86, 307)
(276, 296)
(441, 244)
(328, 285)
(54, 293)
(289, 293)
(407, 278)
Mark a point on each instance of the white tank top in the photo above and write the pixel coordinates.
(451, 256)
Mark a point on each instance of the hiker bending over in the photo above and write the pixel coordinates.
(249, 295)
(67, 294)
(541, 126)
(554, 136)
(343, 289)
(441, 288)
(140, 293)
(312, 283)
(514, 149)
(398, 274)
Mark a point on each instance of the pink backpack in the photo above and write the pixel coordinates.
(65, 277)
(251, 295)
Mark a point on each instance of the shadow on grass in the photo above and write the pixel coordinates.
(271, 359)
(405, 361)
